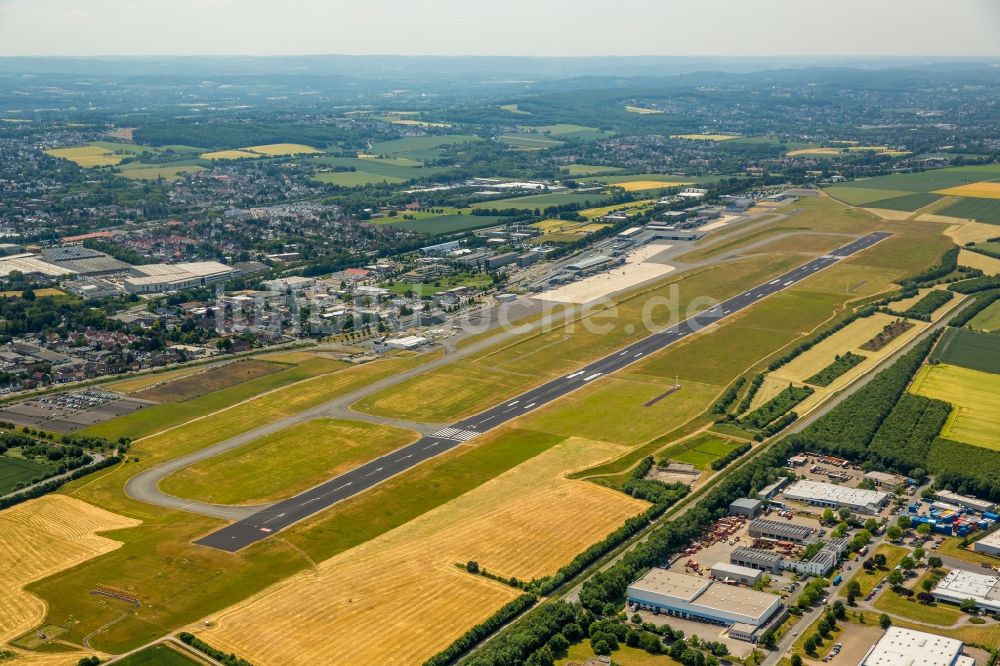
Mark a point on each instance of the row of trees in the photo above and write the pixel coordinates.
(776, 406)
(816, 338)
(841, 364)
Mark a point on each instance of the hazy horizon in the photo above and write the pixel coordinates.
(558, 28)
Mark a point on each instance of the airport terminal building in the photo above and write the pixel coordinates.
(747, 613)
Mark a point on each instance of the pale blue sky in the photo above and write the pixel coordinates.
(500, 27)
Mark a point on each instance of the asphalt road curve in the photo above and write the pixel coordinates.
(280, 515)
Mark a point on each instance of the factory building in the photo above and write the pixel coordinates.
(905, 647)
(828, 495)
(982, 506)
(959, 585)
(761, 528)
(757, 558)
(989, 544)
(746, 507)
(747, 613)
(727, 572)
(769, 491)
(158, 278)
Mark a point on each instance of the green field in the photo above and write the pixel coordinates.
(700, 450)
(354, 178)
(588, 169)
(157, 655)
(970, 349)
(984, 210)
(988, 320)
(474, 280)
(15, 470)
(907, 203)
(420, 144)
(285, 463)
(165, 172)
(392, 167)
(974, 418)
(868, 581)
(927, 181)
(937, 613)
(529, 141)
(857, 195)
(545, 200)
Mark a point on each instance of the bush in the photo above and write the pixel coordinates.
(218, 655)
(840, 365)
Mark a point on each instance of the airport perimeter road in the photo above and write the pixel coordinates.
(280, 515)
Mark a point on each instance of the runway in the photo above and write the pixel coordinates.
(274, 518)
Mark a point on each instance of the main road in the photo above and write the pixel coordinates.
(274, 518)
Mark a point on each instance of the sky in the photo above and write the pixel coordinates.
(500, 27)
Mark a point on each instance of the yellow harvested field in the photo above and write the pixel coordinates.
(974, 418)
(87, 156)
(772, 386)
(988, 265)
(230, 155)
(849, 338)
(275, 149)
(887, 214)
(42, 537)
(593, 213)
(881, 150)
(554, 226)
(406, 583)
(44, 291)
(706, 137)
(639, 185)
(814, 151)
(963, 231)
(291, 357)
(984, 190)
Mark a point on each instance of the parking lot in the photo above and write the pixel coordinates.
(69, 412)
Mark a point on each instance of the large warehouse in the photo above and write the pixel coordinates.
(830, 495)
(905, 647)
(158, 278)
(746, 612)
(989, 544)
(959, 585)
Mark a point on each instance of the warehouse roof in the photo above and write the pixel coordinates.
(776, 527)
(906, 647)
(705, 594)
(828, 492)
(735, 570)
(991, 539)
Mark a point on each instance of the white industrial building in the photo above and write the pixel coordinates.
(982, 506)
(30, 264)
(830, 495)
(989, 544)
(746, 613)
(727, 572)
(906, 647)
(159, 278)
(960, 585)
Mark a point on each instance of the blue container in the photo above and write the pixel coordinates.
(947, 519)
(837, 580)
(942, 528)
(989, 515)
(913, 508)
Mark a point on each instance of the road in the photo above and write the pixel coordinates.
(272, 519)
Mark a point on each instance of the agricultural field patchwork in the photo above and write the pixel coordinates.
(282, 149)
(988, 320)
(230, 155)
(87, 156)
(706, 137)
(983, 210)
(983, 190)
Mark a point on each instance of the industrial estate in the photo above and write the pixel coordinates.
(429, 362)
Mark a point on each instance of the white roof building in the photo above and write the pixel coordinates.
(828, 494)
(964, 501)
(157, 278)
(989, 544)
(906, 647)
(960, 585)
